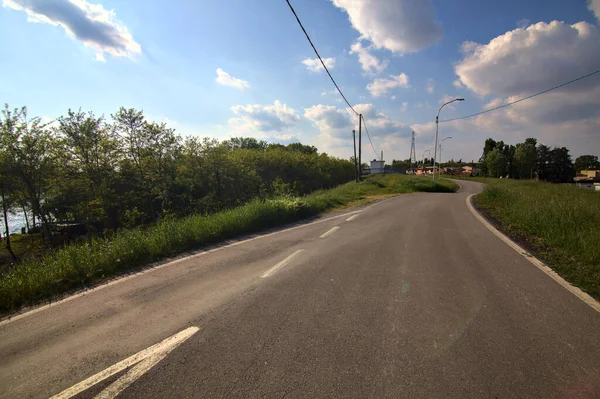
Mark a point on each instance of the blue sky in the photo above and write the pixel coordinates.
(163, 57)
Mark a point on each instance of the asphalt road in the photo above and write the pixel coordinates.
(411, 298)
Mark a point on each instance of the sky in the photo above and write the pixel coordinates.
(244, 68)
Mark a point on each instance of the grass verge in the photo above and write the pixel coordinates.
(558, 223)
(76, 266)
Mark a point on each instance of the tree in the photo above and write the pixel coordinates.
(525, 158)
(543, 161)
(586, 162)
(89, 155)
(561, 166)
(495, 162)
(5, 182)
(31, 154)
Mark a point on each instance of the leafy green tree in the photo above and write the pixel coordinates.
(495, 162)
(89, 153)
(586, 162)
(31, 155)
(525, 159)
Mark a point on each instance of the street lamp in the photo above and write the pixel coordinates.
(437, 124)
(445, 138)
(423, 159)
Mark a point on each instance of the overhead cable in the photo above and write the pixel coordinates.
(320, 59)
(369, 136)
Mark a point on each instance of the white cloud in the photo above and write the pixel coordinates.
(523, 23)
(368, 62)
(381, 86)
(263, 119)
(392, 97)
(226, 79)
(594, 6)
(314, 65)
(430, 86)
(336, 124)
(89, 23)
(524, 61)
(380, 125)
(330, 119)
(457, 84)
(100, 57)
(404, 106)
(401, 26)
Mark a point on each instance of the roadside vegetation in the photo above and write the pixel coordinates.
(559, 223)
(97, 258)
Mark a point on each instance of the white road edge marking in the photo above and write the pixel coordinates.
(281, 264)
(351, 218)
(208, 251)
(538, 263)
(329, 232)
(143, 361)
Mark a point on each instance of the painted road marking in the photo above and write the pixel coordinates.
(183, 259)
(538, 263)
(142, 362)
(281, 264)
(329, 232)
(351, 218)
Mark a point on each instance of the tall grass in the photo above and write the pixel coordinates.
(79, 265)
(561, 223)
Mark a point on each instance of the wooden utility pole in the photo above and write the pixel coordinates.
(355, 160)
(359, 146)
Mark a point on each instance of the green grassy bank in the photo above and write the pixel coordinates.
(80, 265)
(559, 223)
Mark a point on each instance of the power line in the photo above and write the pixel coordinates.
(320, 59)
(369, 136)
(524, 98)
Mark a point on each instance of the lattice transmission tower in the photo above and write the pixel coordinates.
(413, 152)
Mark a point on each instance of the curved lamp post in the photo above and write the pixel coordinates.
(437, 124)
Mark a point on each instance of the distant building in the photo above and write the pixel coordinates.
(470, 170)
(377, 167)
(588, 179)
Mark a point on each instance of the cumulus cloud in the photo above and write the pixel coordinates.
(380, 124)
(456, 83)
(380, 87)
(335, 126)
(525, 61)
(430, 86)
(314, 65)
(89, 23)
(266, 119)
(401, 26)
(368, 62)
(529, 60)
(330, 119)
(225, 79)
(404, 106)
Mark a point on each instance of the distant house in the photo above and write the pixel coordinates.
(588, 179)
(470, 170)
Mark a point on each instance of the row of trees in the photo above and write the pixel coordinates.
(529, 160)
(128, 171)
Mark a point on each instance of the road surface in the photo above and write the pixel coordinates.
(411, 297)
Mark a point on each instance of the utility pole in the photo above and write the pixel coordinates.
(355, 160)
(359, 146)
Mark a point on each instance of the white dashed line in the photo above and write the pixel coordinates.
(281, 264)
(351, 218)
(330, 232)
